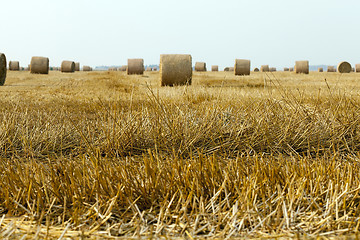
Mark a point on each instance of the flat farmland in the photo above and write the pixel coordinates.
(106, 155)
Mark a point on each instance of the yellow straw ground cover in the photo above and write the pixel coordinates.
(111, 155)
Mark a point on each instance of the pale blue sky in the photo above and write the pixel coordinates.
(108, 32)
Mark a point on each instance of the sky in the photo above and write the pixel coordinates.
(108, 32)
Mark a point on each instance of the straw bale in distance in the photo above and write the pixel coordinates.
(344, 67)
(87, 68)
(200, 67)
(286, 69)
(331, 69)
(291, 69)
(256, 70)
(135, 66)
(357, 67)
(67, 67)
(154, 69)
(264, 68)
(227, 69)
(242, 67)
(39, 65)
(214, 68)
(148, 69)
(320, 69)
(175, 69)
(14, 66)
(272, 69)
(77, 66)
(123, 68)
(2, 68)
(302, 67)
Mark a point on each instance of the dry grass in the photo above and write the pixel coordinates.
(103, 154)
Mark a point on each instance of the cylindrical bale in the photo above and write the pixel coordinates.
(256, 70)
(200, 67)
(273, 69)
(123, 68)
(331, 69)
(357, 67)
(175, 69)
(77, 66)
(264, 68)
(242, 67)
(87, 68)
(39, 65)
(344, 67)
(154, 69)
(135, 66)
(2, 68)
(148, 69)
(214, 68)
(302, 67)
(14, 66)
(286, 69)
(320, 69)
(67, 67)
(226, 69)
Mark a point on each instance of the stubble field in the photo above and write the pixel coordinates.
(105, 155)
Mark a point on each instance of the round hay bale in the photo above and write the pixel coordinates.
(320, 69)
(39, 65)
(214, 68)
(87, 69)
(272, 69)
(200, 67)
(256, 70)
(242, 67)
(264, 68)
(155, 69)
(135, 66)
(123, 68)
(227, 69)
(344, 67)
(2, 69)
(286, 69)
(175, 69)
(14, 66)
(148, 69)
(331, 69)
(77, 66)
(67, 67)
(302, 67)
(357, 67)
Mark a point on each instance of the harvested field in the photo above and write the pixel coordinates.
(106, 154)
